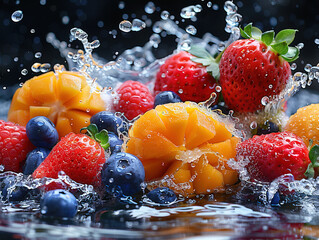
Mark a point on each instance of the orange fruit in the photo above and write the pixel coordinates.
(184, 147)
(64, 97)
(305, 124)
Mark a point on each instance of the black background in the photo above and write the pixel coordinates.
(17, 40)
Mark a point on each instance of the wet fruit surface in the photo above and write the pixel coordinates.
(186, 145)
(66, 99)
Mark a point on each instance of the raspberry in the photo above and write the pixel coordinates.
(14, 146)
(134, 99)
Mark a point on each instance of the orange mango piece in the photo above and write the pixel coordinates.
(200, 129)
(65, 98)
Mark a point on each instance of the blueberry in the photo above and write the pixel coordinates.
(267, 127)
(275, 200)
(115, 143)
(58, 204)
(34, 159)
(19, 193)
(221, 107)
(123, 173)
(41, 132)
(108, 121)
(166, 97)
(162, 195)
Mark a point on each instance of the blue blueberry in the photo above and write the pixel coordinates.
(19, 193)
(267, 127)
(59, 204)
(115, 143)
(166, 97)
(108, 121)
(162, 195)
(123, 173)
(34, 159)
(41, 132)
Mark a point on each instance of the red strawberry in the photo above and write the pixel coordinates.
(187, 75)
(78, 155)
(257, 67)
(273, 155)
(14, 146)
(134, 99)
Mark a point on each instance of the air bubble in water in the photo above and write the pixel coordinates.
(38, 55)
(17, 16)
(36, 67)
(45, 67)
(191, 30)
(230, 7)
(125, 26)
(150, 8)
(24, 72)
(293, 66)
(165, 15)
(138, 25)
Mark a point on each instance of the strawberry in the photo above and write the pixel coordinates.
(257, 67)
(78, 155)
(134, 99)
(273, 155)
(188, 75)
(14, 146)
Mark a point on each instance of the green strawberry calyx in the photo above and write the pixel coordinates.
(279, 43)
(205, 58)
(101, 137)
(314, 160)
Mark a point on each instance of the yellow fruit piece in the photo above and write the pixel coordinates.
(185, 147)
(65, 98)
(305, 124)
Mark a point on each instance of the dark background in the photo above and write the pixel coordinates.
(17, 40)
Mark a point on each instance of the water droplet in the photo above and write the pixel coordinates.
(307, 68)
(209, 4)
(38, 55)
(155, 39)
(300, 45)
(24, 72)
(293, 66)
(111, 180)
(43, 2)
(16, 59)
(150, 8)
(65, 20)
(218, 88)
(121, 5)
(198, 8)
(32, 31)
(265, 100)
(165, 15)
(186, 44)
(138, 25)
(17, 16)
(215, 7)
(95, 44)
(317, 41)
(188, 12)
(125, 26)
(230, 7)
(253, 125)
(45, 67)
(36, 67)
(180, 91)
(191, 30)
(234, 19)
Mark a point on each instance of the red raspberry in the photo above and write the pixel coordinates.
(134, 99)
(14, 146)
